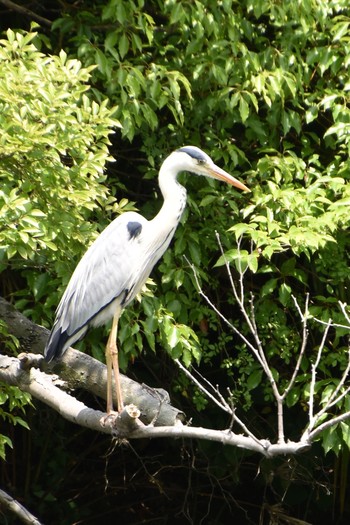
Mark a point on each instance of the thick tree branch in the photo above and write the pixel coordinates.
(152, 416)
(79, 370)
(42, 387)
(12, 505)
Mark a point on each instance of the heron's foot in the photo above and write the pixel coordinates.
(124, 422)
(109, 418)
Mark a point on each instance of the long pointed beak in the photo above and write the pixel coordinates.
(219, 174)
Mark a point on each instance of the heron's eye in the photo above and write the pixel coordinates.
(201, 161)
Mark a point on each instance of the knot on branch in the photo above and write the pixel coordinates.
(28, 361)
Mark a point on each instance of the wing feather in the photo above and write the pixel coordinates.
(104, 276)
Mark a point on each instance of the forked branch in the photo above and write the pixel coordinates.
(254, 344)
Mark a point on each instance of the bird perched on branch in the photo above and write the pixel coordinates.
(116, 266)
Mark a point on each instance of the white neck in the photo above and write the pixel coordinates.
(174, 196)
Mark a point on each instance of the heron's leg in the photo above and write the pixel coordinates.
(112, 362)
(109, 378)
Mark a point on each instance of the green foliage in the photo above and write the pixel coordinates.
(54, 147)
(142, 86)
(12, 400)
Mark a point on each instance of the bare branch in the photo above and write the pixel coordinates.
(258, 350)
(334, 325)
(221, 403)
(12, 505)
(215, 309)
(239, 297)
(305, 334)
(311, 436)
(337, 325)
(335, 398)
(80, 370)
(313, 419)
(26, 12)
(223, 406)
(345, 313)
(42, 387)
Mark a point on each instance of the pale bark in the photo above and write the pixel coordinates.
(148, 413)
(42, 387)
(16, 508)
(80, 370)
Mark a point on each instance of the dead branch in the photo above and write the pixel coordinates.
(12, 505)
(159, 418)
(42, 386)
(314, 428)
(81, 371)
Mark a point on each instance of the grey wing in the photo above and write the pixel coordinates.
(101, 282)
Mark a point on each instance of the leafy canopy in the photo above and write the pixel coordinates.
(54, 148)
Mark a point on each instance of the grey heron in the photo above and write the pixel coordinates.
(118, 263)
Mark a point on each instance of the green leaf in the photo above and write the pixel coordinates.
(269, 287)
(40, 286)
(243, 109)
(293, 397)
(331, 440)
(284, 294)
(123, 45)
(254, 379)
(345, 429)
(253, 262)
(4, 440)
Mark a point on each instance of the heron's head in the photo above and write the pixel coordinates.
(193, 159)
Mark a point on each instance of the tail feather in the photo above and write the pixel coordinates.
(60, 340)
(56, 344)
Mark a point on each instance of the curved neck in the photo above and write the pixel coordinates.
(174, 196)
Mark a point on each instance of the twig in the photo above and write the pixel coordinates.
(336, 325)
(311, 436)
(215, 309)
(250, 320)
(236, 419)
(223, 406)
(239, 298)
(26, 12)
(303, 343)
(222, 403)
(214, 389)
(334, 399)
(312, 418)
(345, 313)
